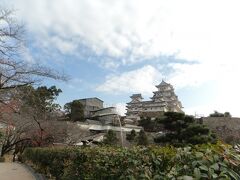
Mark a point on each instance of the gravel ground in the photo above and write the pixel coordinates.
(15, 171)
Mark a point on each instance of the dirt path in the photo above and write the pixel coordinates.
(14, 171)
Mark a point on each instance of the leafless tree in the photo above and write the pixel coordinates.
(11, 33)
(14, 132)
(16, 73)
(75, 133)
(31, 126)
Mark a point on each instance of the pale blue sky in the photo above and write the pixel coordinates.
(112, 49)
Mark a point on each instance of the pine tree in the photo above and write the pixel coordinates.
(74, 110)
(131, 137)
(110, 138)
(182, 129)
(142, 138)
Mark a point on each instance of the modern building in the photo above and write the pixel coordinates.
(94, 110)
(100, 119)
(91, 104)
(163, 100)
(106, 116)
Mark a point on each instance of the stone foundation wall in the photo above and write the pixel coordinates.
(226, 128)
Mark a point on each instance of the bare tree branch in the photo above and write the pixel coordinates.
(16, 74)
(14, 71)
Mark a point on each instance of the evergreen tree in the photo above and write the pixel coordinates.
(75, 110)
(149, 125)
(42, 98)
(110, 138)
(216, 114)
(182, 129)
(227, 114)
(131, 137)
(142, 138)
(146, 123)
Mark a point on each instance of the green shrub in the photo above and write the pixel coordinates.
(110, 138)
(48, 160)
(142, 138)
(182, 130)
(206, 161)
(131, 137)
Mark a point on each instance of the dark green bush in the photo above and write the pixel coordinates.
(48, 160)
(207, 161)
(182, 130)
(131, 137)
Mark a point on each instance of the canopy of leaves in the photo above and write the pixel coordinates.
(142, 138)
(74, 110)
(42, 97)
(131, 137)
(30, 122)
(111, 138)
(149, 125)
(218, 114)
(182, 129)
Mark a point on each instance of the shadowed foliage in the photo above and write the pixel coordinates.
(182, 129)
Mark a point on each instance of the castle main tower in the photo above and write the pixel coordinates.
(163, 100)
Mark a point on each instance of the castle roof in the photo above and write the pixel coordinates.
(91, 98)
(164, 99)
(163, 83)
(136, 96)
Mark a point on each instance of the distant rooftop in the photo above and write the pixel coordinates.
(111, 107)
(136, 95)
(91, 98)
(163, 83)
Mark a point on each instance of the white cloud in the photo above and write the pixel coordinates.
(225, 97)
(207, 32)
(109, 64)
(193, 74)
(140, 80)
(185, 75)
(64, 46)
(199, 30)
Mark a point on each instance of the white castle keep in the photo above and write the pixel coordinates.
(163, 100)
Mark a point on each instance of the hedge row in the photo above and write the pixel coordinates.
(217, 161)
